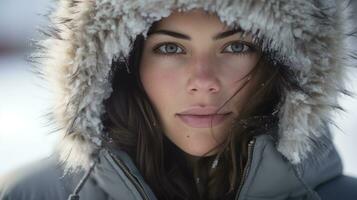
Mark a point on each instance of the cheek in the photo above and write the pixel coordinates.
(157, 82)
(235, 68)
(160, 83)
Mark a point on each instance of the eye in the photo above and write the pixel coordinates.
(168, 48)
(237, 48)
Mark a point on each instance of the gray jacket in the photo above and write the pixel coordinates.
(85, 38)
(269, 176)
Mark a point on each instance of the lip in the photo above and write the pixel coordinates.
(197, 110)
(199, 117)
(203, 121)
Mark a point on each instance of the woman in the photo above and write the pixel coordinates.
(193, 100)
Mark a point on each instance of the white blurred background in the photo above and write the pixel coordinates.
(23, 98)
(24, 135)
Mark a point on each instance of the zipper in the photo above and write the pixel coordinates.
(247, 166)
(131, 177)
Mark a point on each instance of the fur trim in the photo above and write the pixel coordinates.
(88, 35)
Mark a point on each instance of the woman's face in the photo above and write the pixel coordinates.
(192, 64)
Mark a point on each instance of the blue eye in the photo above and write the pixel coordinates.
(168, 48)
(238, 48)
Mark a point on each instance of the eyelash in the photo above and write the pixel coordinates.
(160, 45)
(250, 47)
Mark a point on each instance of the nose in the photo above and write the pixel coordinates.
(203, 77)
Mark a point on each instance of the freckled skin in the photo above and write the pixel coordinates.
(202, 75)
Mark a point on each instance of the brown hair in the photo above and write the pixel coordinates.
(133, 125)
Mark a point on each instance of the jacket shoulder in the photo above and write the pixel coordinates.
(40, 180)
(341, 187)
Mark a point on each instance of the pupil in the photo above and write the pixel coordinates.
(237, 47)
(171, 48)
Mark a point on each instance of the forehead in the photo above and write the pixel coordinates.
(196, 19)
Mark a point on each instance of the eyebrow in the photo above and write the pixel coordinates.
(186, 37)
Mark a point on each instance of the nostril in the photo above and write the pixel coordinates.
(203, 85)
(210, 89)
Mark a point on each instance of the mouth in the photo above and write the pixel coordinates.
(203, 121)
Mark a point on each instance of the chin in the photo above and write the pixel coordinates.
(197, 141)
(200, 148)
(201, 153)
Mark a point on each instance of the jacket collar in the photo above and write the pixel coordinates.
(270, 174)
(117, 175)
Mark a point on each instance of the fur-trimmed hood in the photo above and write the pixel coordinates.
(309, 36)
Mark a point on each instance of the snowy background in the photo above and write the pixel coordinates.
(24, 133)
